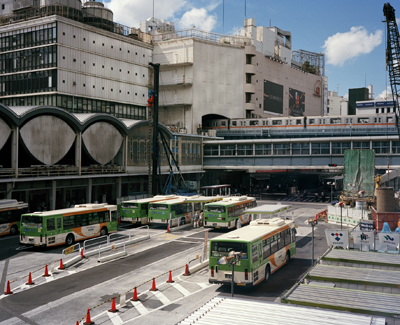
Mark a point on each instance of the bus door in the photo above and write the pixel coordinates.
(53, 225)
(256, 261)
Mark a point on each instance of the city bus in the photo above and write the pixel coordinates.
(228, 213)
(178, 210)
(10, 216)
(136, 211)
(260, 249)
(65, 226)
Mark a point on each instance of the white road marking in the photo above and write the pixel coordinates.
(139, 307)
(114, 317)
(203, 285)
(181, 289)
(161, 297)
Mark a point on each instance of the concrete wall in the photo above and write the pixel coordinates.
(47, 138)
(5, 132)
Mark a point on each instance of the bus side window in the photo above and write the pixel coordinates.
(254, 255)
(51, 224)
(259, 251)
(266, 248)
(68, 222)
(58, 223)
(274, 245)
(113, 215)
(293, 235)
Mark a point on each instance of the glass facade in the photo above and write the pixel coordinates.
(263, 149)
(300, 149)
(339, 148)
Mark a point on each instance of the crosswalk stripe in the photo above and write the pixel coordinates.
(161, 297)
(139, 307)
(203, 285)
(181, 289)
(115, 319)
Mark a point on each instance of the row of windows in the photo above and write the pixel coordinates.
(31, 82)
(81, 220)
(11, 215)
(29, 37)
(324, 148)
(75, 104)
(32, 59)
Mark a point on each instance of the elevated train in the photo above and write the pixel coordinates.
(342, 124)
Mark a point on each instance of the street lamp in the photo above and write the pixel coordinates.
(313, 223)
(232, 259)
(341, 219)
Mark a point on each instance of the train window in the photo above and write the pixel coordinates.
(377, 120)
(288, 122)
(277, 122)
(298, 122)
(241, 123)
(390, 119)
(362, 120)
(382, 110)
(254, 122)
(377, 111)
(233, 123)
(335, 120)
(223, 123)
(311, 121)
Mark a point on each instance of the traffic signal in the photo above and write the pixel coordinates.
(332, 165)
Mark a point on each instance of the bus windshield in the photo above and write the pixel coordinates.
(31, 221)
(158, 206)
(220, 249)
(215, 208)
(129, 205)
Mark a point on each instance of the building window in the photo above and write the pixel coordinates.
(3, 6)
(300, 148)
(227, 149)
(135, 73)
(263, 149)
(112, 89)
(120, 49)
(94, 42)
(120, 70)
(338, 148)
(129, 51)
(112, 68)
(84, 39)
(94, 64)
(361, 145)
(102, 88)
(102, 44)
(84, 85)
(63, 57)
(63, 33)
(396, 147)
(245, 149)
(94, 86)
(102, 66)
(381, 147)
(211, 150)
(128, 72)
(282, 149)
(112, 46)
(63, 81)
(320, 148)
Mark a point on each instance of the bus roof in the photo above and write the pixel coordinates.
(233, 200)
(7, 204)
(257, 229)
(268, 209)
(152, 199)
(76, 208)
(173, 201)
(205, 199)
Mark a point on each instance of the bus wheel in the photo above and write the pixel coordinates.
(70, 240)
(13, 230)
(103, 231)
(267, 272)
(287, 258)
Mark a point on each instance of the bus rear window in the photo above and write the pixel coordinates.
(158, 206)
(215, 208)
(129, 205)
(31, 221)
(219, 249)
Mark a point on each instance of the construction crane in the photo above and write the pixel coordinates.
(393, 55)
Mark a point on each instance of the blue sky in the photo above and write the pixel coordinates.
(351, 33)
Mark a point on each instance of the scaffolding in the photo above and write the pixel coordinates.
(310, 62)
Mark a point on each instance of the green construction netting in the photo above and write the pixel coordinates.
(358, 174)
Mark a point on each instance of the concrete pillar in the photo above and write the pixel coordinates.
(89, 191)
(53, 192)
(10, 187)
(118, 188)
(14, 150)
(78, 152)
(126, 152)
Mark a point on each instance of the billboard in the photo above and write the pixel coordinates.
(296, 102)
(273, 97)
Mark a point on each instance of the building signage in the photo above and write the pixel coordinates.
(363, 237)
(369, 104)
(297, 100)
(335, 237)
(273, 97)
(389, 239)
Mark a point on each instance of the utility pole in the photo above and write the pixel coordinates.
(155, 153)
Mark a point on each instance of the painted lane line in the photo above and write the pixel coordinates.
(50, 278)
(139, 307)
(203, 285)
(161, 297)
(115, 319)
(181, 289)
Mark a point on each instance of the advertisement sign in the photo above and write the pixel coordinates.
(297, 100)
(69, 250)
(391, 239)
(337, 237)
(363, 237)
(273, 97)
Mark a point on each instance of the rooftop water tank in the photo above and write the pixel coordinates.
(96, 15)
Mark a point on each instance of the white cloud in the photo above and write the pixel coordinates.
(346, 46)
(198, 17)
(132, 12)
(236, 30)
(386, 94)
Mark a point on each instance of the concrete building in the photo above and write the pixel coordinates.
(337, 105)
(355, 95)
(375, 106)
(73, 56)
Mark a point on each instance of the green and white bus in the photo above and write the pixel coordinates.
(136, 211)
(178, 210)
(65, 226)
(264, 247)
(10, 216)
(228, 213)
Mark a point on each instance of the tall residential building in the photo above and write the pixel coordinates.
(337, 105)
(72, 56)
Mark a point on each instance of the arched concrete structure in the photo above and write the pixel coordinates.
(5, 132)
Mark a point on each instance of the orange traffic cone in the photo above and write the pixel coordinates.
(186, 270)
(82, 253)
(170, 278)
(30, 280)
(135, 298)
(61, 265)
(153, 287)
(88, 320)
(46, 271)
(8, 290)
(168, 228)
(113, 307)
(77, 322)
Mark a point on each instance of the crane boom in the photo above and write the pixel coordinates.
(393, 55)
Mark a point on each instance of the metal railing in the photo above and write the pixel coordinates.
(75, 250)
(85, 243)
